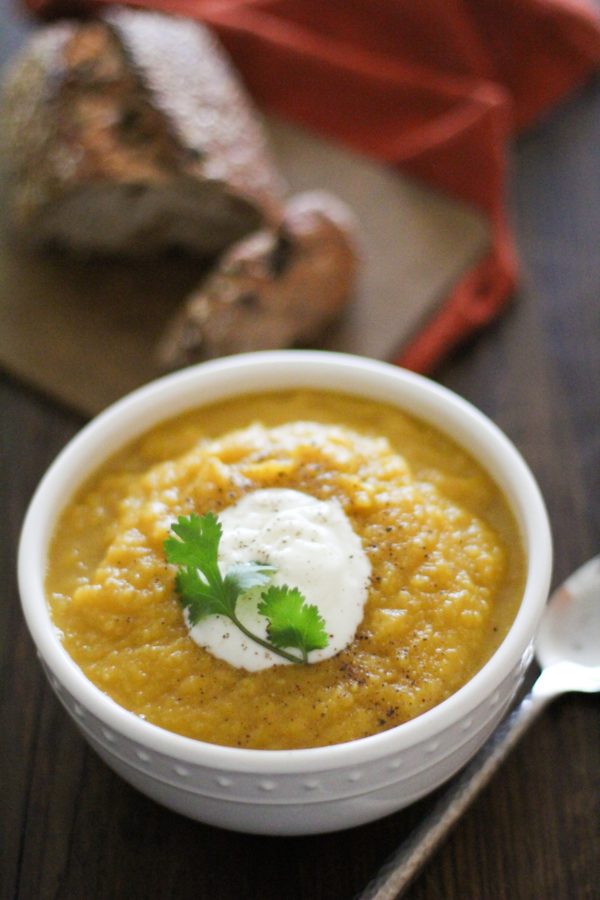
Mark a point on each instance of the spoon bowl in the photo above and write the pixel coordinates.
(570, 628)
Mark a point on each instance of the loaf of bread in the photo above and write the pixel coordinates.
(131, 134)
(276, 288)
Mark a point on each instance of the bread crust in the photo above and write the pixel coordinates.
(275, 288)
(132, 134)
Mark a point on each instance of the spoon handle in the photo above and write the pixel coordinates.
(399, 870)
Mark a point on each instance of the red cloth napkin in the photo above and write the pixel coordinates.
(437, 87)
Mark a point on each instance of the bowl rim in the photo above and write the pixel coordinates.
(172, 394)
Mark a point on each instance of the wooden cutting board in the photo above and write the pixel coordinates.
(85, 331)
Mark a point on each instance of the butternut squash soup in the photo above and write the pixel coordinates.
(403, 547)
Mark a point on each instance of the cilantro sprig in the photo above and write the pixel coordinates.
(203, 591)
(292, 621)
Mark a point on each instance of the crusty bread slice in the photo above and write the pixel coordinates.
(275, 288)
(131, 135)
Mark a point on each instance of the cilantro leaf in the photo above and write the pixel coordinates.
(199, 598)
(198, 546)
(250, 575)
(292, 621)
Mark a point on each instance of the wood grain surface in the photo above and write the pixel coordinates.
(70, 828)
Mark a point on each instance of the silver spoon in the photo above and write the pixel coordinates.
(567, 648)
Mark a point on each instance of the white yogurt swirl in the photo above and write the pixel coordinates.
(313, 547)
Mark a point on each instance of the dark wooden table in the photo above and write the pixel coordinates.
(70, 828)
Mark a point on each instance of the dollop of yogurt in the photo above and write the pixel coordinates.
(314, 548)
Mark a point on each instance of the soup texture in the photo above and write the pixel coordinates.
(447, 569)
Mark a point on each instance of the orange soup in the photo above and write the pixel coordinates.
(446, 576)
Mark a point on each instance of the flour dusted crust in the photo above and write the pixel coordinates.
(131, 134)
(275, 288)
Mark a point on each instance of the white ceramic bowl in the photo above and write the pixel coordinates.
(289, 791)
